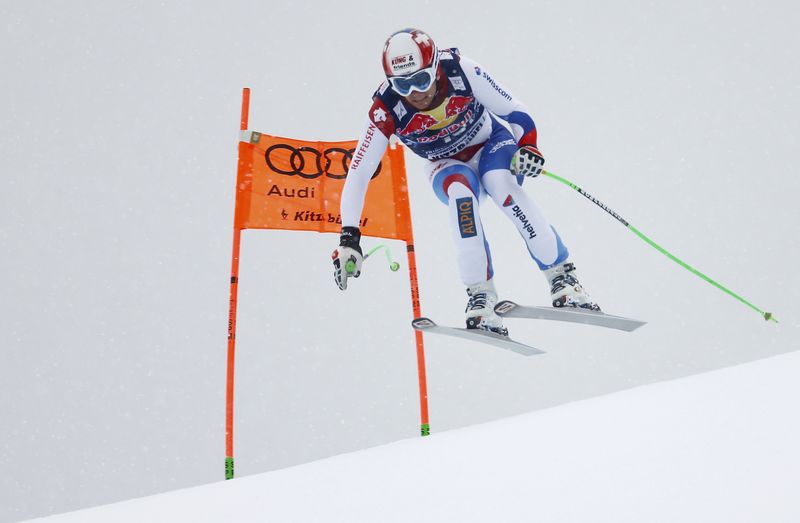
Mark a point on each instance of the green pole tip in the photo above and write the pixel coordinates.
(228, 468)
(394, 266)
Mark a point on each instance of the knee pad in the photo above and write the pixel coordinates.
(452, 171)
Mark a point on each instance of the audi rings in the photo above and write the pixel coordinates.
(307, 162)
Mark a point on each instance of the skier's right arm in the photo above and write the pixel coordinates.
(366, 159)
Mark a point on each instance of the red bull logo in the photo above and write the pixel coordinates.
(454, 128)
(456, 105)
(419, 123)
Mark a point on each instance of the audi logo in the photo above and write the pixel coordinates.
(307, 162)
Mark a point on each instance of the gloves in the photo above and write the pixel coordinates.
(527, 161)
(347, 256)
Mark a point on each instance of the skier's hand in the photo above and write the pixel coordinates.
(347, 259)
(527, 161)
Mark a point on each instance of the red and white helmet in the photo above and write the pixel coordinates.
(407, 52)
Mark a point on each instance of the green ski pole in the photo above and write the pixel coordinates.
(766, 315)
(350, 266)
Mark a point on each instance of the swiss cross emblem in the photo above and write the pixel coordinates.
(379, 115)
(421, 38)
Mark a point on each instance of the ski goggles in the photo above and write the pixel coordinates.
(420, 81)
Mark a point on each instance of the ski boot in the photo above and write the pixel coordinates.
(566, 290)
(480, 308)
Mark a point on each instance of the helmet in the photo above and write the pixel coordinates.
(410, 61)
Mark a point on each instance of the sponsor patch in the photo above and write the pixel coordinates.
(399, 110)
(456, 147)
(311, 216)
(457, 82)
(496, 87)
(466, 217)
(305, 192)
(500, 145)
(509, 201)
(379, 115)
(397, 60)
(419, 123)
(523, 220)
(403, 62)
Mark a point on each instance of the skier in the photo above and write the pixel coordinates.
(445, 108)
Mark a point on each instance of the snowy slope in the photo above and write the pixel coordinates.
(720, 446)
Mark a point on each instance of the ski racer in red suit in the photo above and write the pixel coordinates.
(446, 109)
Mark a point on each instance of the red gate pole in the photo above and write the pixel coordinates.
(425, 426)
(237, 235)
(399, 166)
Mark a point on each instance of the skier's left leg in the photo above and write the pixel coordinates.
(543, 242)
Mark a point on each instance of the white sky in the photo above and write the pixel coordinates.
(117, 149)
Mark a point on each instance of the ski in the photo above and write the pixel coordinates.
(490, 338)
(509, 309)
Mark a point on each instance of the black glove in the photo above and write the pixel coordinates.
(347, 259)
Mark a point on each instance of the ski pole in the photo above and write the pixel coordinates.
(766, 315)
(350, 266)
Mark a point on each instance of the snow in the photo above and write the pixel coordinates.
(719, 446)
